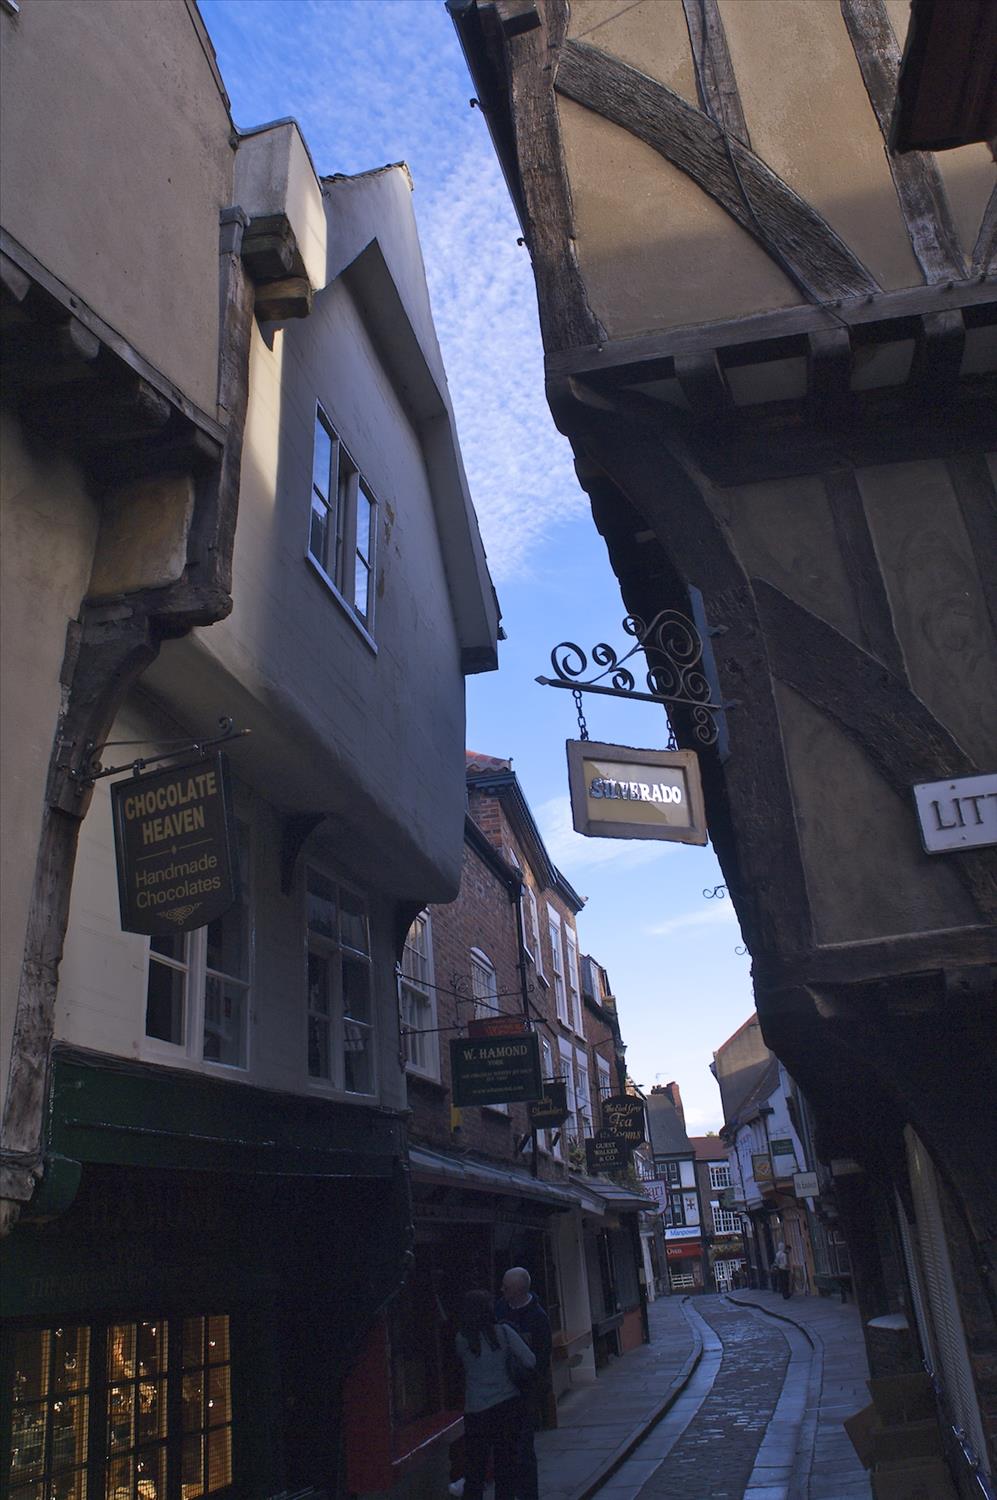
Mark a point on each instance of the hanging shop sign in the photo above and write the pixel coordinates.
(805, 1184)
(958, 814)
(496, 1026)
(623, 1116)
(659, 1192)
(551, 1110)
(495, 1070)
(621, 793)
(761, 1167)
(782, 1147)
(605, 1152)
(175, 842)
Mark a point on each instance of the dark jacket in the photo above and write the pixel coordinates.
(533, 1326)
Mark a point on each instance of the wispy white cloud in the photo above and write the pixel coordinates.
(718, 913)
(384, 80)
(572, 851)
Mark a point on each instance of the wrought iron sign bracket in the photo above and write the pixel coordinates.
(679, 673)
(91, 769)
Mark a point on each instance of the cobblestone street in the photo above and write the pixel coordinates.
(735, 1398)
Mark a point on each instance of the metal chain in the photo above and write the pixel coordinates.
(583, 729)
(673, 743)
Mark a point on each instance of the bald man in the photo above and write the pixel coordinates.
(519, 1307)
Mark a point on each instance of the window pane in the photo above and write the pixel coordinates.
(71, 1354)
(318, 983)
(193, 1342)
(361, 588)
(219, 1459)
(356, 989)
(357, 1071)
(321, 904)
(151, 1474)
(170, 945)
(322, 458)
(192, 1397)
(225, 1022)
(318, 1047)
(151, 1348)
(319, 530)
(365, 517)
(31, 1356)
(151, 1409)
(119, 1479)
(121, 1351)
(353, 922)
(120, 1416)
(218, 1349)
(164, 1005)
(192, 1466)
(219, 1399)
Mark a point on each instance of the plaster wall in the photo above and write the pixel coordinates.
(367, 728)
(156, 164)
(654, 250)
(102, 990)
(48, 531)
(576, 1308)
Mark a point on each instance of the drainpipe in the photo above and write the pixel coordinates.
(516, 896)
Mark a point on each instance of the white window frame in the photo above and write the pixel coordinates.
(193, 966)
(335, 548)
(566, 1054)
(547, 1067)
(327, 947)
(538, 952)
(574, 984)
(485, 996)
(720, 1175)
(605, 1081)
(419, 992)
(557, 965)
(530, 951)
(586, 1124)
(724, 1221)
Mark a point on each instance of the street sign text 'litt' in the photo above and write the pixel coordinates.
(174, 837)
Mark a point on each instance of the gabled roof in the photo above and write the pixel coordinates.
(668, 1137)
(761, 1090)
(488, 774)
(708, 1147)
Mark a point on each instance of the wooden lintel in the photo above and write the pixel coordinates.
(935, 368)
(872, 960)
(517, 16)
(98, 415)
(179, 450)
(36, 356)
(703, 386)
(270, 250)
(829, 370)
(634, 354)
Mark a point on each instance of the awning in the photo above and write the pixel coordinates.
(618, 1200)
(481, 1177)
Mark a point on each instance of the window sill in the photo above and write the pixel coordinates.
(319, 1088)
(425, 1081)
(346, 608)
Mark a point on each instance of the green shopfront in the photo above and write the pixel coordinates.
(180, 1310)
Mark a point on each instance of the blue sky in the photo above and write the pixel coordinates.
(375, 81)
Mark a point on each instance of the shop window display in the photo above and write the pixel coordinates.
(158, 1392)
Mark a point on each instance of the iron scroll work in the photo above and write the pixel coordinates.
(679, 671)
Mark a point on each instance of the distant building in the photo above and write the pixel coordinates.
(675, 1165)
(723, 1237)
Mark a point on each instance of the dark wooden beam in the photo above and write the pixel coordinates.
(704, 386)
(947, 89)
(787, 228)
(566, 318)
(858, 554)
(897, 733)
(715, 78)
(918, 182)
(517, 16)
(941, 340)
(38, 356)
(985, 249)
(829, 372)
(880, 958)
(632, 356)
(977, 497)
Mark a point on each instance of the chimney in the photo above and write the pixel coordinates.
(675, 1095)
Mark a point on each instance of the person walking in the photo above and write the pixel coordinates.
(494, 1410)
(520, 1308)
(783, 1274)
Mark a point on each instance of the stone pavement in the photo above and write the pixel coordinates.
(720, 1403)
(599, 1424)
(838, 1389)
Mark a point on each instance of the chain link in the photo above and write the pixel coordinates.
(583, 729)
(673, 743)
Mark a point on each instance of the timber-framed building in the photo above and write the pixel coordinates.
(771, 343)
